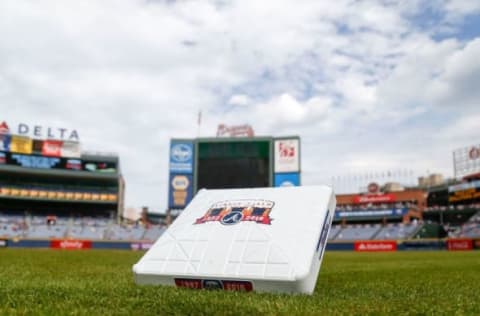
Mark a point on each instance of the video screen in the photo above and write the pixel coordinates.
(223, 165)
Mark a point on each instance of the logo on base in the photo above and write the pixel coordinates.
(236, 211)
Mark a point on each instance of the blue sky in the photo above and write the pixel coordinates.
(370, 86)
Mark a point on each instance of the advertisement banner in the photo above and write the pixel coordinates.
(459, 244)
(3, 243)
(29, 161)
(287, 179)
(70, 244)
(371, 213)
(180, 190)
(464, 192)
(21, 145)
(70, 149)
(377, 198)
(181, 157)
(99, 166)
(287, 155)
(37, 146)
(381, 245)
(43, 162)
(52, 148)
(466, 161)
(5, 142)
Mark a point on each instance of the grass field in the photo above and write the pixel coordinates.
(98, 282)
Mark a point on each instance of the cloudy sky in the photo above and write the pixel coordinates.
(370, 86)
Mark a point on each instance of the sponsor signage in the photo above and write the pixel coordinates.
(377, 198)
(70, 149)
(373, 188)
(474, 153)
(180, 190)
(287, 179)
(70, 244)
(235, 131)
(210, 284)
(459, 244)
(20, 144)
(466, 161)
(464, 192)
(286, 155)
(38, 131)
(371, 213)
(3, 243)
(4, 129)
(44, 162)
(37, 146)
(181, 157)
(236, 211)
(381, 245)
(52, 148)
(30, 161)
(5, 142)
(99, 166)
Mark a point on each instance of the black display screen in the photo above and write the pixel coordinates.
(244, 164)
(43, 162)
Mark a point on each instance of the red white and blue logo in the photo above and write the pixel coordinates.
(4, 129)
(235, 211)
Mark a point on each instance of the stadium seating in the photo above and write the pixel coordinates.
(471, 229)
(396, 231)
(153, 233)
(46, 231)
(334, 231)
(358, 232)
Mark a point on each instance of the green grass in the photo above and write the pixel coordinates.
(95, 282)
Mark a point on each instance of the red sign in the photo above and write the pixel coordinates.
(52, 148)
(4, 129)
(227, 285)
(381, 245)
(235, 131)
(378, 198)
(459, 244)
(70, 244)
(373, 188)
(474, 153)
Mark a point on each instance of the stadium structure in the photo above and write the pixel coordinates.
(50, 189)
(435, 213)
(235, 162)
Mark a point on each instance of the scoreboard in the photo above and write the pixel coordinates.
(222, 163)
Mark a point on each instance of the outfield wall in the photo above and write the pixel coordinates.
(359, 245)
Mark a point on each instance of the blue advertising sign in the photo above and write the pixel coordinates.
(371, 213)
(41, 162)
(181, 157)
(180, 190)
(5, 142)
(287, 179)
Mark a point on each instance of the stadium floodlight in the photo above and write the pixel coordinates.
(265, 239)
